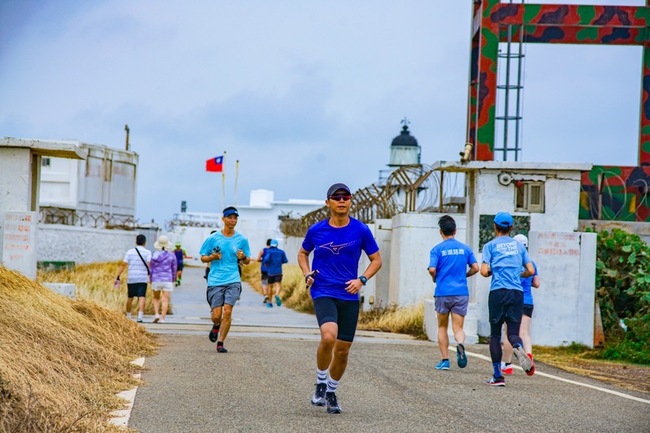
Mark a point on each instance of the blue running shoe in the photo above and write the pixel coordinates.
(461, 357)
(443, 365)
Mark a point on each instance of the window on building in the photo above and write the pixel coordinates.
(46, 162)
(529, 196)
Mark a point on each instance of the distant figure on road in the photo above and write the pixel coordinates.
(224, 250)
(448, 267)
(180, 254)
(163, 273)
(264, 272)
(527, 316)
(503, 260)
(274, 259)
(337, 243)
(137, 259)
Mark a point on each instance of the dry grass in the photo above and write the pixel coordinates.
(94, 282)
(62, 361)
(296, 296)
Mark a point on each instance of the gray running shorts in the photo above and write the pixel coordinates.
(217, 296)
(455, 304)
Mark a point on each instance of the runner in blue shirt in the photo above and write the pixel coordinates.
(224, 250)
(503, 260)
(274, 259)
(526, 317)
(264, 272)
(337, 243)
(448, 267)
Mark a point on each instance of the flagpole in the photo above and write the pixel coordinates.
(223, 181)
(236, 178)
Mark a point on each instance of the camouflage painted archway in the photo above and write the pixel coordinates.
(563, 24)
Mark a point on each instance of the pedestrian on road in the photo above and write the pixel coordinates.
(163, 273)
(526, 317)
(274, 259)
(503, 260)
(180, 254)
(137, 260)
(337, 243)
(448, 267)
(264, 272)
(224, 250)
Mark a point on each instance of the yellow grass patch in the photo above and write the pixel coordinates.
(62, 361)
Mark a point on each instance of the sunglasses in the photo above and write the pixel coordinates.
(339, 197)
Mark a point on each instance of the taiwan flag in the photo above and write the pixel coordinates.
(214, 164)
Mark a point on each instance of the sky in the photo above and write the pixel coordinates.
(303, 94)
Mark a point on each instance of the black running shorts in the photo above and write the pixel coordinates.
(344, 313)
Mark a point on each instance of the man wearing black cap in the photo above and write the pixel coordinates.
(224, 250)
(337, 243)
(503, 259)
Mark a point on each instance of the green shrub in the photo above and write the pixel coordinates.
(623, 293)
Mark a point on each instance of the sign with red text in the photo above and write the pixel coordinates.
(19, 242)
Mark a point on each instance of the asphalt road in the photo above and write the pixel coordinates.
(265, 381)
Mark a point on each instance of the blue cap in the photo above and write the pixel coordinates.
(503, 219)
(274, 243)
(230, 210)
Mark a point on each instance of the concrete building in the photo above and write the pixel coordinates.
(258, 221)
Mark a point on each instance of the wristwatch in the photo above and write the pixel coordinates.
(363, 279)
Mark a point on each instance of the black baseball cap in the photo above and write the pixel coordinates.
(337, 187)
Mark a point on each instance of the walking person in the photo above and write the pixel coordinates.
(334, 283)
(180, 254)
(224, 250)
(526, 317)
(451, 262)
(274, 259)
(264, 272)
(503, 260)
(137, 260)
(163, 274)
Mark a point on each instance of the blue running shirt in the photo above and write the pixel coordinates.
(451, 259)
(527, 284)
(226, 270)
(506, 258)
(336, 256)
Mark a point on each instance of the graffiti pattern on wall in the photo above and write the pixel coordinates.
(486, 228)
(616, 193)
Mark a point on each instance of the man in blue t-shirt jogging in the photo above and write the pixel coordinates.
(274, 259)
(503, 260)
(224, 250)
(448, 267)
(334, 283)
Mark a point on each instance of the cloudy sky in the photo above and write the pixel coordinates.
(304, 93)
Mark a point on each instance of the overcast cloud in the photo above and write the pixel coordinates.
(302, 93)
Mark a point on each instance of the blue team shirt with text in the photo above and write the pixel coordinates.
(451, 258)
(506, 258)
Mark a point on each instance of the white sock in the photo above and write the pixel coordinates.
(140, 314)
(332, 384)
(321, 376)
(128, 315)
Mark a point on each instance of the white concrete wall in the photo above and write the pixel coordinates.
(564, 302)
(85, 245)
(15, 179)
(413, 235)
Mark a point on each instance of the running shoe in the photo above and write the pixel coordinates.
(139, 320)
(532, 370)
(318, 399)
(266, 299)
(278, 301)
(269, 304)
(332, 404)
(496, 381)
(214, 333)
(461, 357)
(507, 369)
(524, 361)
(156, 319)
(221, 349)
(443, 365)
